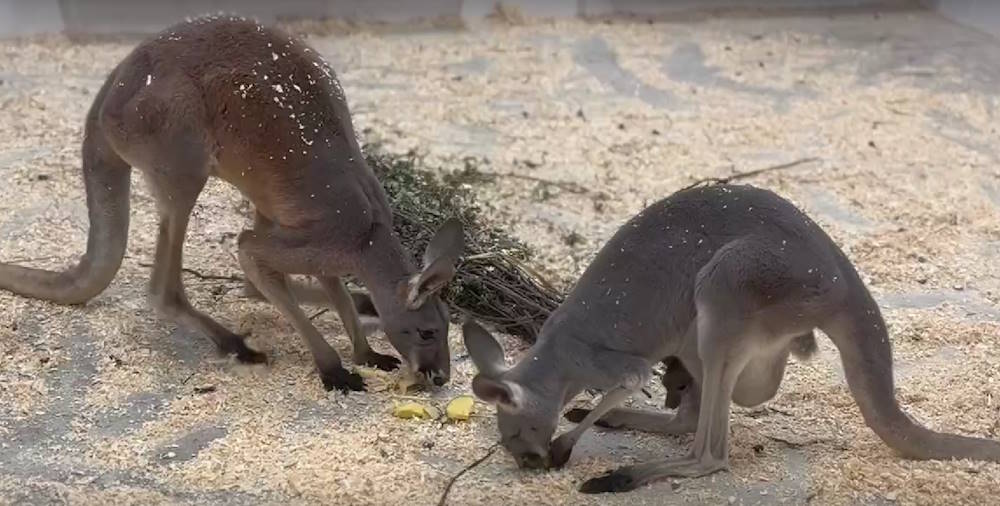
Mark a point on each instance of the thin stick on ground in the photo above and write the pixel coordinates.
(28, 260)
(751, 173)
(199, 275)
(447, 488)
(319, 313)
(562, 185)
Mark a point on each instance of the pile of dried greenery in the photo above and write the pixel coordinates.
(493, 282)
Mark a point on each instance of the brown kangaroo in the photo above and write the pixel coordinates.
(728, 279)
(227, 97)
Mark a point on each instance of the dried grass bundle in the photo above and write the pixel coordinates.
(493, 282)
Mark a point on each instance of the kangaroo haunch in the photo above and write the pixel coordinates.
(227, 97)
(728, 279)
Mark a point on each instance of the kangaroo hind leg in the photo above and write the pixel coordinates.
(159, 127)
(751, 300)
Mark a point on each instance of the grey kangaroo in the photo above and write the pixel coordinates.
(728, 279)
(229, 98)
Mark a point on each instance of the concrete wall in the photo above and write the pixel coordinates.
(24, 17)
(21, 17)
(983, 15)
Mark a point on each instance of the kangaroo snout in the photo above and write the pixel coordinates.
(531, 460)
(434, 376)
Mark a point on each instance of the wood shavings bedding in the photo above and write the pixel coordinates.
(905, 165)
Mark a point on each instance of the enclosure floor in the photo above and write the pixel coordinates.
(107, 404)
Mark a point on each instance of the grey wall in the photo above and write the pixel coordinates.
(983, 15)
(21, 17)
(24, 17)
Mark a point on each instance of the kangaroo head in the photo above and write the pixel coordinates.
(527, 412)
(416, 323)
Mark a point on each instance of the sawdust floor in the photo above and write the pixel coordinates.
(105, 403)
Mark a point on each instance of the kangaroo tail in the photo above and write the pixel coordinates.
(107, 179)
(859, 333)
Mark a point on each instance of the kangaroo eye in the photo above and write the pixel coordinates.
(426, 335)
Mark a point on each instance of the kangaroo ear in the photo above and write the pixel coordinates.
(486, 352)
(367, 314)
(440, 258)
(448, 242)
(505, 394)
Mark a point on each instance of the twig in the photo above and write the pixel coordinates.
(767, 410)
(799, 444)
(319, 313)
(483, 256)
(447, 488)
(562, 185)
(532, 273)
(230, 277)
(751, 173)
(30, 259)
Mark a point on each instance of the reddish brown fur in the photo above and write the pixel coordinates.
(201, 72)
(227, 97)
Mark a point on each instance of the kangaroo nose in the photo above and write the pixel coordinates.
(439, 378)
(435, 376)
(532, 460)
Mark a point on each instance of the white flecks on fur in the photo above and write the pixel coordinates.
(274, 56)
(278, 88)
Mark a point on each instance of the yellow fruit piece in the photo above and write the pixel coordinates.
(460, 408)
(370, 373)
(415, 410)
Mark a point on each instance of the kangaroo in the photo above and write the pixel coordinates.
(730, 280)
(229, 98)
